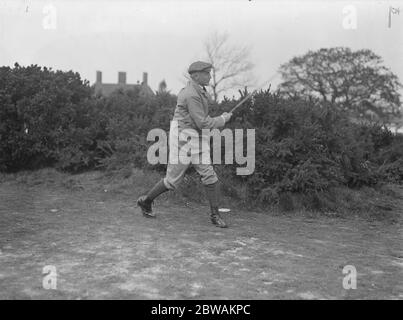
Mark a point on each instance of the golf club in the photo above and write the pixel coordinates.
(253, 92)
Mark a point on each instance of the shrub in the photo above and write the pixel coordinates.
(307, 146)
(47, 118)
(129, 117)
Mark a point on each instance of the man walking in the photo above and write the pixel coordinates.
(191, 115)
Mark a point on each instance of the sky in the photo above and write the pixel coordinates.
(164, 37)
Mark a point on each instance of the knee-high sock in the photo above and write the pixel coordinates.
(212, 192)
(158, 189)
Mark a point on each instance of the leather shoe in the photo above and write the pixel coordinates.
(146, 207)
(217, 220)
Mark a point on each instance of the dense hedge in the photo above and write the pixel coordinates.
(53, 118)
(50, 118)
(128, 117)
(305, 145)
(46, 118)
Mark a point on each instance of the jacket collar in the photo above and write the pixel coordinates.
(197, 86)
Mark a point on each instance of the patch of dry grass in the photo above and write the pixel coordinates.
(380, 202)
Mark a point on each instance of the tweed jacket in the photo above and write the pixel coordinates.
(192, 109)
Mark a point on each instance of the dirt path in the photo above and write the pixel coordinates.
(103, 248)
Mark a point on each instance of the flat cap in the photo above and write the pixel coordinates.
(199, 66)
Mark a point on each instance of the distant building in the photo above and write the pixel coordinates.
(106, 89)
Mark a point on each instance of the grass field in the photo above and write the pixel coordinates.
(88, 227)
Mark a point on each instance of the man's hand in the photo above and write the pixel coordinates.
(226, 116)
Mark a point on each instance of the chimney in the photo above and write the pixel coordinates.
(99, 77)
(122, 78)
(145, 78)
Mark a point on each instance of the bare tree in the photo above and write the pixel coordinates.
(232, 68)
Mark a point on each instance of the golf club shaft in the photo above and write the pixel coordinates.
(250, 94)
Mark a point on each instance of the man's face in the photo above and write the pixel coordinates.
(203, 77)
